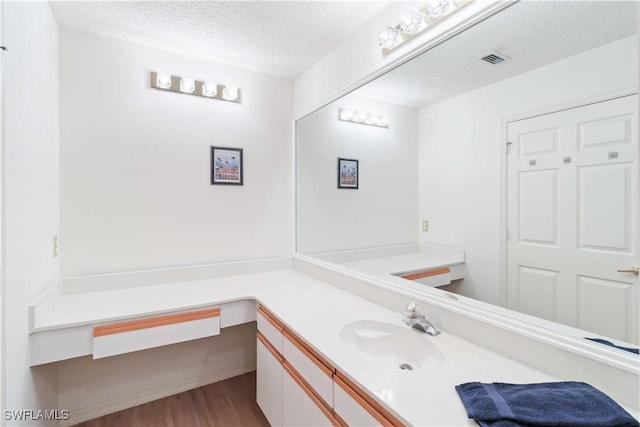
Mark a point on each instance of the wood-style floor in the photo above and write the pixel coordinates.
(226, 403)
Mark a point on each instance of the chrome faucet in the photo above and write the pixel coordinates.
(416, 320)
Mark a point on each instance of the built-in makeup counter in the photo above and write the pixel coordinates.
(319, 313)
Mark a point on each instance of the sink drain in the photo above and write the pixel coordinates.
(406, 367)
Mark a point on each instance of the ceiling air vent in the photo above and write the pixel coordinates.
(493, 58)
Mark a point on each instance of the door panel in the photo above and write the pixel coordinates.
(572, 216)
(606, 131)
(604, 207)
(538, 287)
(538, 195)
(539, 142)
(609, 299)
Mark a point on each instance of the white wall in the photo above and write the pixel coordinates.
(462, 147)
(136, 194)
(90, 388)
(135, 162)
(30, 168)
(383, 210)
(2, 291)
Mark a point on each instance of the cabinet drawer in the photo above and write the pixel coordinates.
(430, 277)
(125, 337)
(350, 409)
(353, 407)
(300, 406)
(316, 373)
(270, 327)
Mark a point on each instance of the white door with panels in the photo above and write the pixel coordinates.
(572, 217)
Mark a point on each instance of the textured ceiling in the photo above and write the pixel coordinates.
(276, 37)
(530, 33)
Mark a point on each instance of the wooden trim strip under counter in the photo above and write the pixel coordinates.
(152, 322)
(310, 353)
(328, 412)
(427, 273)
(269, 347)
(339, 421)
(379, 412)
(270, 318)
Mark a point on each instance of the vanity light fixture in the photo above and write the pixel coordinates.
(191, 86)
(416, 22)
(362, 117)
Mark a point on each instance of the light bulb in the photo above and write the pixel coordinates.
(439, 8)
(163, 80)
(230, 93)
(209, 89)
(360, 117)
(388, 37)
(346, 114)
(371, 119)
(411, 24)
(187, 85)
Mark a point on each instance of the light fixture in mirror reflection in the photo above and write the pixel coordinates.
(209, 89)
(187, 85)
(444, 159)
(363, 117)
(416, 21)
(230, 93)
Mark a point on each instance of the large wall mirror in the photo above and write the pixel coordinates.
(526, 160)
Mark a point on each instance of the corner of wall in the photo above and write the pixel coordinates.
(30, 191)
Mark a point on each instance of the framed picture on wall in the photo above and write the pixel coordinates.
(347, 173)
(226, 166)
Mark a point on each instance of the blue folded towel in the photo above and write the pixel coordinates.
(609, 343)
(544, 404)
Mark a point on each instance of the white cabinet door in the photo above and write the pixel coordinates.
(300, 407)
(269, 382)
(573, 217)
(315, 373)
(351, 408)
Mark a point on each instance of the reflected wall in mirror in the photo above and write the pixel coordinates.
(384, 210)
(567, 192)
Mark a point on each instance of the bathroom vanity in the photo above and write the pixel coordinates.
(324, 354)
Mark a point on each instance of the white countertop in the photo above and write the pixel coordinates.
(318, 312)
(402, 263)
(387, 267)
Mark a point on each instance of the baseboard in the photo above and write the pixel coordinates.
(124, 402)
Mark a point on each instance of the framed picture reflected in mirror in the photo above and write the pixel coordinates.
(347, 173)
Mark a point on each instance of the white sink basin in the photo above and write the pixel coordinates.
(390, 343)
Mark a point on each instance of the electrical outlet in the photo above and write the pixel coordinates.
(55, 246)
(425, 225)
